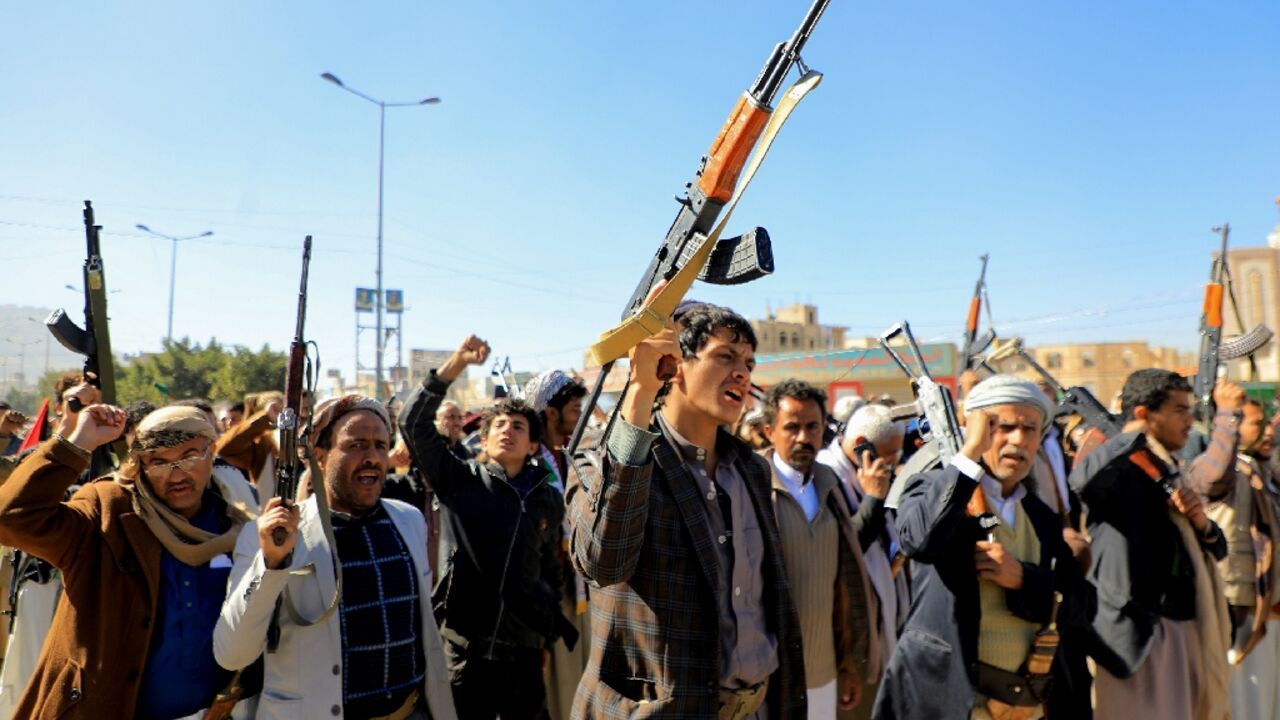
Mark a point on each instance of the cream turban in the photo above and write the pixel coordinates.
(1010, 390)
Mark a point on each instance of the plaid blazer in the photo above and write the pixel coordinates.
(640, 535)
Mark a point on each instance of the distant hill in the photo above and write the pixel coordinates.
(23, 341)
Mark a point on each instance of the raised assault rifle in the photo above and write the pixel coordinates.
(939, 428)
(1072, 400)
(93, 341)
(1081, 402)
(1212, 348)
(735, 260)
(974, 346)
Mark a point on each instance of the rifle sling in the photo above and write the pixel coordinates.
(326, 524)
(653, 316)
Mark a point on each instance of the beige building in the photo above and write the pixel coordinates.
(1255, 273)
(1101, 368)
(795, 328)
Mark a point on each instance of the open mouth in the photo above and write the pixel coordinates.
(734, 395)
(180, 490)
(368, 478)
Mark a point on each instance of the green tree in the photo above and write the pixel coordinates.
(185, 369)
(27, 400)
(246, 371)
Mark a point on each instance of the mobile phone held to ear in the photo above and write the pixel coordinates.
(864, 447)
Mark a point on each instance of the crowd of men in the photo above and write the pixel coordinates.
(711, 551)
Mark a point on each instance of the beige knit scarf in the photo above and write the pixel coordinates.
(184, 541)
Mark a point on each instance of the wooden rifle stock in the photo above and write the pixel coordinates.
(695, 226)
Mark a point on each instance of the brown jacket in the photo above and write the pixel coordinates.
(248, 445)
(92, 661)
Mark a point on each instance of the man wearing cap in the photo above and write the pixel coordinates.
(365, 647)
(558, 399)
(499, 594)
(145, 557)
(983, 585)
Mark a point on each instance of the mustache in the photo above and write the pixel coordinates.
(1015, 454)
(803, 446)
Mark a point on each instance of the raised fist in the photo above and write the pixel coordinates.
(473, 351)
(96, 426)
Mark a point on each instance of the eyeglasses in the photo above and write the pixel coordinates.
(161, 470)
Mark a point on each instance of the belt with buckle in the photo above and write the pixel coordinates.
(740, 703)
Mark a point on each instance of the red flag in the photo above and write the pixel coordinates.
(37, 428)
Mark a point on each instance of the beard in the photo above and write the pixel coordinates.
(801, 457)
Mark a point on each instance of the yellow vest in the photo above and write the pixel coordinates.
(1004, 639)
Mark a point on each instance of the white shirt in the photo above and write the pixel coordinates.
(800, 487)
(1004, 506)
(1057, 463)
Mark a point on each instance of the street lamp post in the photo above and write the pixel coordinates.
(382, 126)
(46, 343)
(22, 358)
(173, 266)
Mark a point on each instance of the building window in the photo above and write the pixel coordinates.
(811, 344)
(795, 340)
(1127, 359)
(1087, 360)
(1053, 361)
(782, 339)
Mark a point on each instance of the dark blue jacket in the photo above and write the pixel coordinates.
(934, 669)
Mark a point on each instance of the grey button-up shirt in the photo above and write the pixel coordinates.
(748, 647)
(749, 650)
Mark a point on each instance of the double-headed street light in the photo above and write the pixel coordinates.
(382, 126)
(173, 266)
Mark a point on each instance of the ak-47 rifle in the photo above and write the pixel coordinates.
(94, 340)
(501, 369)
(939, 427)
(1212, 348)
(1079, 401)
(1071, 400)
(974, 346)
(732, 261)
(934, 406)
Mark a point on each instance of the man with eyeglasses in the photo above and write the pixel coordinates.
(145, 557)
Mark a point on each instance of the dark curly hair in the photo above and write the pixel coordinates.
(700, 322)
(1150, 389)
(796, 390)
(512, 406)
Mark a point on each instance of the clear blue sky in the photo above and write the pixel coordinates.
(1087, 146)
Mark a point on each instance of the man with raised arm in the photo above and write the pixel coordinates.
(144, 557)
(673, 520)
(983, 584)
(499, 594)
